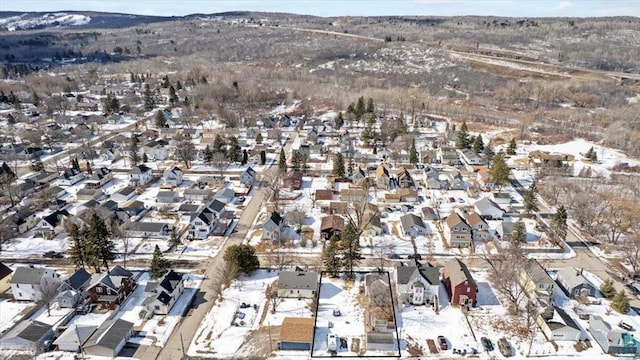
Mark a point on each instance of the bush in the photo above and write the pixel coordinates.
(607, 289)
(620, 303)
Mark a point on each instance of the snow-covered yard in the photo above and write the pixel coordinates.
(11, 312)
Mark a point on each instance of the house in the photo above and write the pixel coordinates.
(111, 288)
(163, 294)
(324, 195)
(417, 284)
(109, 339)
(202, 223)
(413, 225)
(140, 175)
(297, 284)
(612, 341)
(74, 337)
(536, 283)
(147, 229)
(501, 198)
(488, 209)
(21, 221)
(358, 176)
(383, 180)
(296, 334)
(211, 181)
(459, 283)
(225, 196)
(375, 227)
(28, 335)
(47, 227)
(272, 228)
(88, 194)
(331, 225)
(197, 194)
(433, 184)
(353, 195)
(505, 229)
(561, 327)
(125, 194)
(574, 283)
(405, 181)
(156, 150)
(73, 289)
(26, 282)
(248, 176)
(70, 177)
(293, 180)
(109, 154)
(172, 176)
(483, 177)
(42, 178)
(99, 178)
(166, 197)
(429, 214)
(5, 278)
(479, 227)
(456, 231)
(131, 208)
(381, 341)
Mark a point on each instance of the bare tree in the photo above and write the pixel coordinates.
(186, 152)
(361, 213)
(272, 295)
(296, 218)
(272, 184)
(631, 252)
(228, 273)
(383, 248)
(505, 271)
(220, 162)
(48, 292)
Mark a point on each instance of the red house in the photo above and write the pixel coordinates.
(293, 180)
(110, 289)
(460, 285)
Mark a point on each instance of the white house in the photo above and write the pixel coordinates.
(172, 176)
(74, 337)
(272, 228)
(70, 177)
(248, 176)
(156, 150)
(297, 284)
(26, 282)
(202, 223)
(125, 194)
(487, 209)
(140, 175)
(163, 294)
(417, 284)
(147, 229)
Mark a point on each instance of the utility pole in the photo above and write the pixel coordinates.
(270, 342)
(184, 354)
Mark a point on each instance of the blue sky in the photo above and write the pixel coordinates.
(516, 8)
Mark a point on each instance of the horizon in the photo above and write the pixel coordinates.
(328, 8)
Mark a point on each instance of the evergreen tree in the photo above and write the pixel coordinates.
(208, 155)
(330, 258)
(367, 134)
(35, 99)
(173, 97)
(99, 247)
(511, 149)
(263, 157)
(370, 107)
(519, 233)
(413, 153)
(282, 161)
(245, 157)
(234, 150)
(591, 155)
(174, 239)
(338, 165)
(219, 145)
(607, 289)
(243, 256)
(349, 247)
(145, 158)
(339, 120)
(499, 171)
(478, 144)
(178, 85)
(88, 167)
(259, 137)
(75, 164)
(149, 103)
(488, 152)
(159, 265)
(360, 108)
(134, 151)
(77, 249)
(530, 199)
(462, 138)
(160, 120)
(620, 302)
(36, 164)
(559, 222)
(296, 161)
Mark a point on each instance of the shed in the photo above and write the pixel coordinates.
(296, 334)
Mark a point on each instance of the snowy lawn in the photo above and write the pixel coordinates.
(223, 331)
(11, 312)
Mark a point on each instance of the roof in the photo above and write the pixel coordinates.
(485, 204)
(75, 334)
(382, 170)
(322, 194)
(54, 218)
(140, 169)
(458, 272)
(474, 219)
(78, 278)
(110, 334)
(298, 280)
(297, 330)
(453, 220)
(275, 218)
(332, 222)
(410, 220)
(428, 272)
(28, 275)
(126, 191)
(429, 213)
(4, 271)
(29, 330)
(571, 277)
(188, 208)
(380, 338)
(565, 320)
(536, 272)
(147, 226)
(216, 205)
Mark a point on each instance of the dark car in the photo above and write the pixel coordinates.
(394, 256)
(53, 255)
(415, 256)
(505, 347)
(486, 344)
(625, 326)
(442, 343)
(632, 289)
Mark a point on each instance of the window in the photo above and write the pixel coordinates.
(99, 290)
(468, 289)
(17, 285)
(157, 307)
(20, 294)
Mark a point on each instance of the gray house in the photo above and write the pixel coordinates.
(413, 225)
(297, 284)
(574, 283)
(147, 229)
(109, 338)
(611, 341)
(28, 335)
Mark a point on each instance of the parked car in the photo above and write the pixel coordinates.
(336, 312)
(414, 256)
(53, 255)
(625, 326)
(241, 199)
(632, 289)
(394, 256)
(486, 344)
(504, 347)
(452, 200)
(461, 200)
(442, 343)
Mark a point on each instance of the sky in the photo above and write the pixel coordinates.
(515, 8)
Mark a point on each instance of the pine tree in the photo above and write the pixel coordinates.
(349, 247)
(282, 161)
(330, 259)
(245, 157)
(296, 161)
(339, 120)
(413, 153)
(511, 149)
(160, 120)
(591, 155)
(233, 152)
(338, 165)
(243, 256)
(208, 155)
(478, 144)
(174, 239)
(370, 107)
(77, 249)
(159, 265)
(360, 108)
(530, 199)
(499, 171)
(263, 157)
(88, 167)
(462, 138)
(259, 137)
(367, 134)
(559, 222)
(620, 302)
(149, 103)
(519, 233)
(219, 145)
(607, 289)
(134, 155)
(99, 247)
